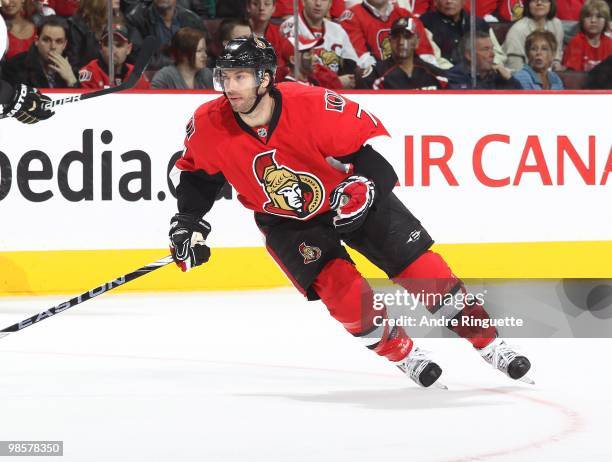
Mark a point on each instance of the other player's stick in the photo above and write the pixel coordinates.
(86, 296)
(149, 46)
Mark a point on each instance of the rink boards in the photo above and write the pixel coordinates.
(509, 185)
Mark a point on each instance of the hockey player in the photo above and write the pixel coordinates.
(24, 103)
(281, 147)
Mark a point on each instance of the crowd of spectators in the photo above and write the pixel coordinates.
(365, 44)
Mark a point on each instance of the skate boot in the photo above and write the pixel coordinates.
(421, 369)
(504, 358)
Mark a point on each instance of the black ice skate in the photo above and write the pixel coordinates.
(504, 358)
(421, 369)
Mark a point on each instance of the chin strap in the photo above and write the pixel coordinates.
(257, 101)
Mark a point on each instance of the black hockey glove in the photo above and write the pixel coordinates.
(351, 200)
(27, 105)
(188, 234)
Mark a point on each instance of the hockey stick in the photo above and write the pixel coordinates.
(86, 296)
(149, 46)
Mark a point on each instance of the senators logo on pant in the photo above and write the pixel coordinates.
(291, 194)
(309, 252)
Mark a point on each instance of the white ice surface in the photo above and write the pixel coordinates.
(266, 376)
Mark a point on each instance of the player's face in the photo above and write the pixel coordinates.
(52, 39)
(293, 195)
(121, 50)
(484, 54)
(540, 55)
(260, 10)
(450, 7)
(316, 9)
(200, 55)
(240, 87)
(594, 23)
(403, 45)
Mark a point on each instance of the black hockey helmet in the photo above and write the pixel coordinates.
(246, 53)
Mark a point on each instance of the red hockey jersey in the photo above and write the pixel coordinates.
(507, 10)
(282, 169)
(370, 34)
(93, 76)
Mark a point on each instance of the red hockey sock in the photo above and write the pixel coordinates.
(349, 299)
(430, 276)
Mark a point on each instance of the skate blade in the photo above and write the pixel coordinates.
(439, 385)
(527, 380)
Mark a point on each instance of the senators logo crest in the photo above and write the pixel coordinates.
(384, 43)
(309, 252)
(290, 193)
(330, 59)
(516, 8)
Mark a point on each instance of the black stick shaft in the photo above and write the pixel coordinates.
(121, 280)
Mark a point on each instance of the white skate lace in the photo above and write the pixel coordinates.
(499, 355)
(414, 363)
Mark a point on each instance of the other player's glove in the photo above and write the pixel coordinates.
(27, 105)
(351, 200)
(188, 235)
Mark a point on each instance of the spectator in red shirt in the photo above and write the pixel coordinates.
(311, 70)
(403, 70)
(591, 45)
(336, 51)
(94, 75)
(21, 29)
(368, 26)
(505, 10)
